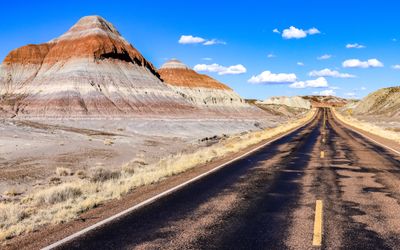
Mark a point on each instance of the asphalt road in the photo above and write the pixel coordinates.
(268, 200)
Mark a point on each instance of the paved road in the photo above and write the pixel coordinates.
(267, 200)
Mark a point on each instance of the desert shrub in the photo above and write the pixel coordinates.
(55, 180)
(63, 171)
(128, 168)
(101, 175)
(81, 174)
(12, 192)
(58, 194)
(108, 142)
(11, 214)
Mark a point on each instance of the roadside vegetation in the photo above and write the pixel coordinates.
(63, 202)
(368, 127)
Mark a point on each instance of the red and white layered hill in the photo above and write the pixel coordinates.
(91, 70)
(201, 90)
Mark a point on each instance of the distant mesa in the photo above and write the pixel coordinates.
(326, 101)
(91, 70)
(294, 101)
(199, 89)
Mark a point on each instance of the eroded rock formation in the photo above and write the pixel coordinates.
(91, 70)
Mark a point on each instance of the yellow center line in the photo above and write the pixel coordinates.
(317, 237)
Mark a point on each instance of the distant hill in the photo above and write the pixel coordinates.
(293, 101)
(326, 101)
(384, 101)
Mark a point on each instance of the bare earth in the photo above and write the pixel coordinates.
(31, 151)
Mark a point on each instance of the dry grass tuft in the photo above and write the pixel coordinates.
(108, 142)
(12, 192)
(102, 175)
(55, 180)
(57, 194)
(81, 174)
(63, 171)
(52, 205)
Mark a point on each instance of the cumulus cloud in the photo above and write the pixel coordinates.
(221, 70)
(355, 46)
(313, 31)
(295, 33)
(269, 77)
(324, 57)
(189, 39)
(300, 63)
(356, 63)
(397, 66)
(329, 73)
(320, 82)
(276, 31)
(213, 42)
(327, 92)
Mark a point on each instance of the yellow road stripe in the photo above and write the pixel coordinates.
(322, 154)
(317, 238)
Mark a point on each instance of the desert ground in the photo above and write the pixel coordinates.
(32, 151)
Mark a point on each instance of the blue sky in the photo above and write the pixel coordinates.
(243, 33)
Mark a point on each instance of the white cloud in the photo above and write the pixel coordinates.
(206, 58)
(276, 31)
(295, 33)
(300, 63)
(355, 46)
(330, 73)
(313, 31)
(327, 92)
(397, 66)
(356, 63)
(269, 77)
(271, 55)
(324, 57)
(320, 82)
(363, 88)
(221, 70)
(189, 39)
(213, 42)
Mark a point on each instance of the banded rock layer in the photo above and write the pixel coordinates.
(91, 70)
(384, 102)
(201, 90)
(294, 101)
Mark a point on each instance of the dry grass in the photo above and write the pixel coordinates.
(81, 174)
(63, 171)
(108, 142)
(12, 192)
(368, 127)
(65, 202)
(102, 175)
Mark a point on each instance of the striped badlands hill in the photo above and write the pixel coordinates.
(202, 90)
(91, 70)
